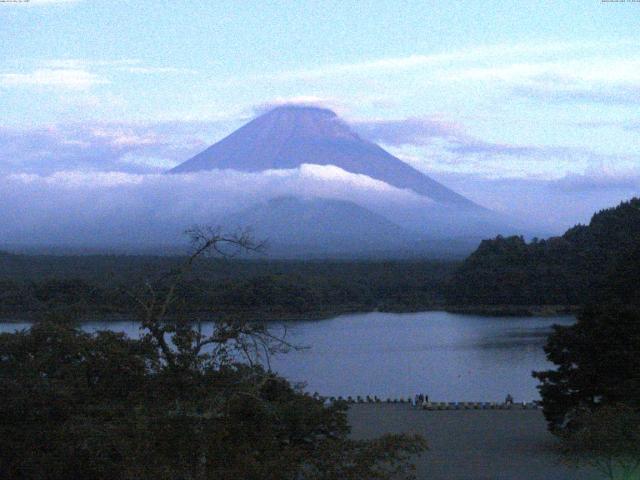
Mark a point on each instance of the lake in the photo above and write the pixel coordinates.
(450, 357)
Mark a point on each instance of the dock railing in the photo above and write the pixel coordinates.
(429, 405)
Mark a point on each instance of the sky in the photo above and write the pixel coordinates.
(527, 107)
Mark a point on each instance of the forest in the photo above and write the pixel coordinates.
(75, 390)
(272, 289)
(176, 403)
(589, 263)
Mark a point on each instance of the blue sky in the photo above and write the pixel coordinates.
(482, 95)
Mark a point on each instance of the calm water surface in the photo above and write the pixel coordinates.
(451, 357)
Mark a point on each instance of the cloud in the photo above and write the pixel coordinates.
(436, 145)
(468, 145)
(73, 79)
(84, 63)
(118, 136)
(446, 151)
(102, 146)
(129, 65)
(599, 181)
(300, 100)
(158, 70)
(417, 61)
(608, 94)
(407, 131)
(593, 69)
(76, 208)
(340, 182)
(427, 131)
(107, 208)
(596, 79)
(430, 144)
(147, 162)
(547, 207)
(82, 74)
(620, 123)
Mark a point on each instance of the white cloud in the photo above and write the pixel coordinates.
(596, 79)
(301, 100)
(159, 70)
(118, 136)
(597, 69)
(159, 164)
(101, 146)
(493, 53)
(81, 74)
(601, 179)
(116, 207)
(79, 63)
(74, 79)
(128, 65)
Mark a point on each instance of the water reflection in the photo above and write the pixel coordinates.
(452, 357)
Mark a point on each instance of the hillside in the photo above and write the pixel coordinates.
(588, 263)
(318, 226)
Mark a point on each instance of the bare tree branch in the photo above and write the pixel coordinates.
(188, 343)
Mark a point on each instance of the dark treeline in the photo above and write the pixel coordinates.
(591, 398)
(102, 284)
(592, 263)
(589, 263)
(175, 403)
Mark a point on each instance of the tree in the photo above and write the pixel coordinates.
(178, 403)
(595, 262)
(598, 364)
(607, 439)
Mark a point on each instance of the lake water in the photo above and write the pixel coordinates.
(450, 357)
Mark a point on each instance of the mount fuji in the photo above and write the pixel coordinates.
(290, 137)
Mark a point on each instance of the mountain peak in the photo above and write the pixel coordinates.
(291, 135)
(302, 121)
(297, 109)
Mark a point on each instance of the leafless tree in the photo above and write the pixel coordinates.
(181, 338)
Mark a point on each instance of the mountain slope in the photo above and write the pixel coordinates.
(295, 226)
(289, 136)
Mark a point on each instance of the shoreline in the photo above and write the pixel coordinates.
(514, 310)
(324, 314)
